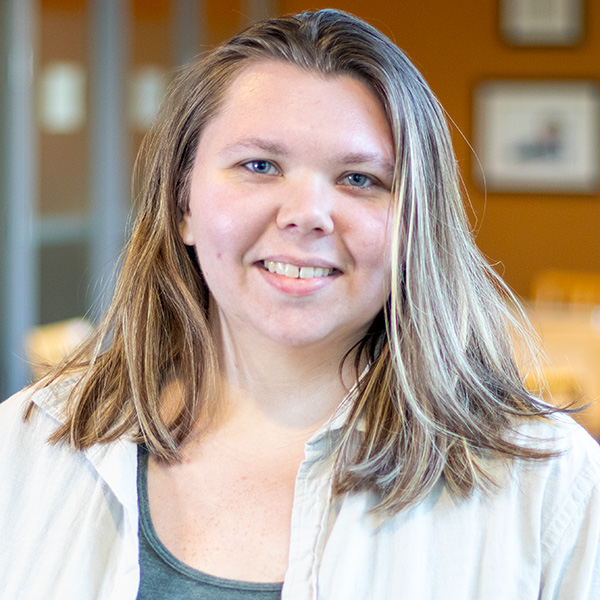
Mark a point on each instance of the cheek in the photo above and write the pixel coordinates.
(223, 236)
(374, 256)
(214, 226)
(375, 241)
(213, 243)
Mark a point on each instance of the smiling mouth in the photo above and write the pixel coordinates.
(296, 272)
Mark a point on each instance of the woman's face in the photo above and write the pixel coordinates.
(290, 207)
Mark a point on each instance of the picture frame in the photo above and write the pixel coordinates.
(537, 136)
(542, 22)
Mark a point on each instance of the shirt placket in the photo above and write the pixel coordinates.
(310, 518)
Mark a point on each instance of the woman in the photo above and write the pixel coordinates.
(308, 359)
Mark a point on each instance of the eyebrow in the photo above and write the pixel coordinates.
(258, 143)
(348, 158)
(361, 158)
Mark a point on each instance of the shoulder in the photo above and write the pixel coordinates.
(564, 491)
(31, 416)
(576, 459)
(41, 406)
(73, 513)
(27, 457)
(556, 491)
(537, 535)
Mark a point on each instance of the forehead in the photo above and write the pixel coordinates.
(278, 98)
(275, 80)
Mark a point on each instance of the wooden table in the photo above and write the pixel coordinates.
(571, 338)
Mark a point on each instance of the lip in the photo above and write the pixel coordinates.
(296, 287)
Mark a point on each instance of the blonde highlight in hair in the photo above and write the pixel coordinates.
(442, 391)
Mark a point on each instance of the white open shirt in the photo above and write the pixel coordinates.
(69, 525)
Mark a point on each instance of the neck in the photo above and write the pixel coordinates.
(294, 387)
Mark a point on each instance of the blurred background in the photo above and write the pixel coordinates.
(80, 80)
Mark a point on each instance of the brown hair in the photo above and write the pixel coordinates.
(442, 390)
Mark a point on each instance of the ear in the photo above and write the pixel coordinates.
(185, 229)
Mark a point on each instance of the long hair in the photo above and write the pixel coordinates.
(442, 391)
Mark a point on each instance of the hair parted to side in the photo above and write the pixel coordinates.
(442, 392)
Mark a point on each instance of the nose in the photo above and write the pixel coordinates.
(306, 208)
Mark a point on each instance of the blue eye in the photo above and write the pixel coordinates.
(358, 180)
(262, 167)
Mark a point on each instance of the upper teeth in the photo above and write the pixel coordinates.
(296, 272)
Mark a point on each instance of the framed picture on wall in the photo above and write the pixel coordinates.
(537, 136)
(542, 22)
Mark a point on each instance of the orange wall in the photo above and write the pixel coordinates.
(457, 45)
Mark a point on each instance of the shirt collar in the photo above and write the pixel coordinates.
(115, 462)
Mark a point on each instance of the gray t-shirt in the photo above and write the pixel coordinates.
(164, 576)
